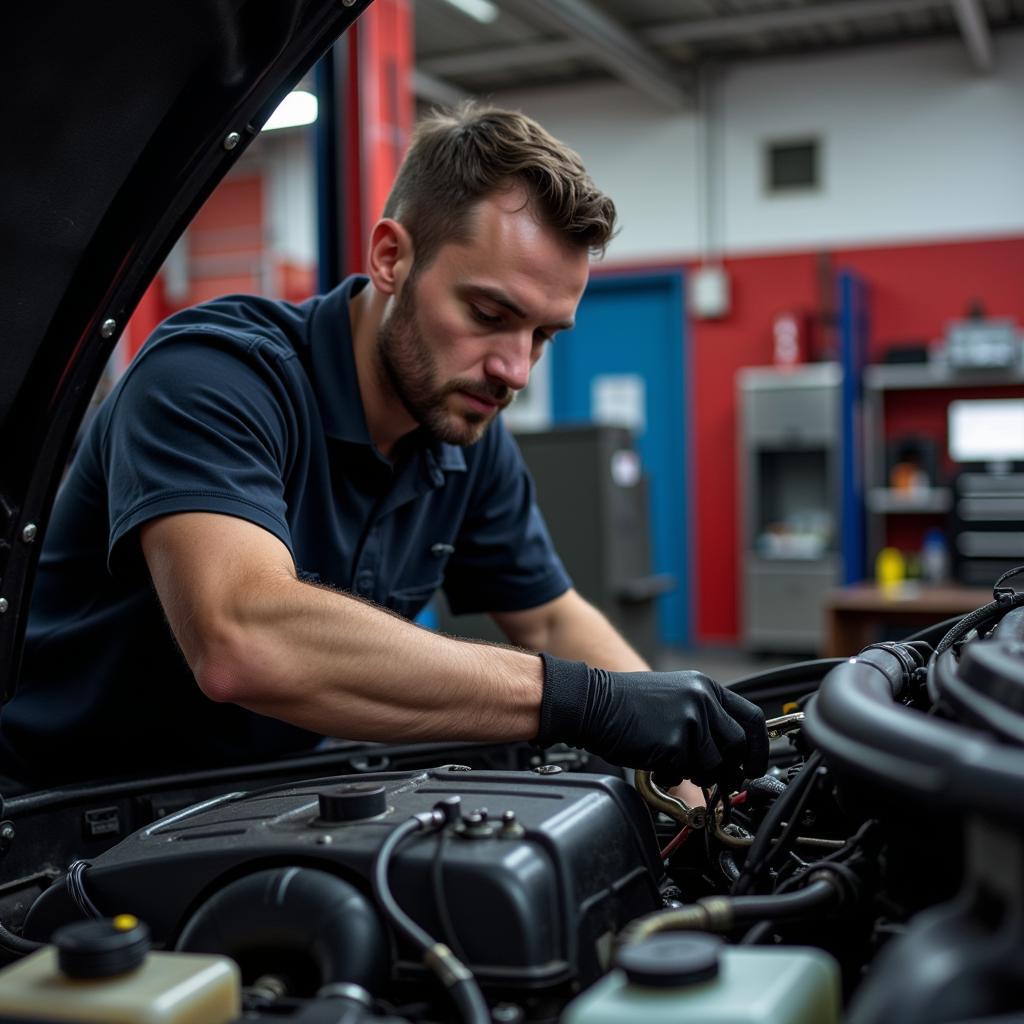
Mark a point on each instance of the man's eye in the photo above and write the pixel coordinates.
(540, 337)
(484, 317)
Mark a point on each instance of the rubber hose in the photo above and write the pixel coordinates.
(324, 921)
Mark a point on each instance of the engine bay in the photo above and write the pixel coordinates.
(872, 874)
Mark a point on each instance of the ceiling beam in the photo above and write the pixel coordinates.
(505, 58)
(431, 89)
(974, 30)
(732, 26)
(610, 44)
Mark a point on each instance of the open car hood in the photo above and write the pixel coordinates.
(120, 118)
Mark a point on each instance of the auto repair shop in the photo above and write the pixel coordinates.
(781, 443)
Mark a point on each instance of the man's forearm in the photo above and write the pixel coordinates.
(578, 631)
(339, 666)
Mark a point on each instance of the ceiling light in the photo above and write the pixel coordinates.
(295, 109)
(480, 10)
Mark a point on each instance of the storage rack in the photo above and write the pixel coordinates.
(879, 381)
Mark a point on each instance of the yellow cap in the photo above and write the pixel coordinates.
(125, 922)
(790, 707)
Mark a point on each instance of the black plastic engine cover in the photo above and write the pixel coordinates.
(532, 904)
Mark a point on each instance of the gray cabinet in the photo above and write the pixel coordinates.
(789, 497)
(593, 493)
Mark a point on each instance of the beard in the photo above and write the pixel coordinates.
(408, 368)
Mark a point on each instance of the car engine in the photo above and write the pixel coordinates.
(879, 863)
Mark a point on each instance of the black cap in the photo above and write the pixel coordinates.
(103, 948)
(352, 802)
(667, 961)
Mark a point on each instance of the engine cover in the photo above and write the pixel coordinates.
(532, 896)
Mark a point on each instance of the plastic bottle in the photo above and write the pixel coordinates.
(890, 569)
(668, 979)
(103, 971)
(934, 557)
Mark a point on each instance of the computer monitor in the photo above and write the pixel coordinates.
(986, 430)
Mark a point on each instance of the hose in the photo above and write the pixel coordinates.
(15, 944)
(724, 913)
(453, 974)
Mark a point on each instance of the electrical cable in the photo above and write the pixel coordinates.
(452, 972)
(1004, 600)
(441, 904)
(675, 842)
(74, 884)
(760, 850)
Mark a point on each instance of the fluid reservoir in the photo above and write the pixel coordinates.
(104, 971)
(695, 977)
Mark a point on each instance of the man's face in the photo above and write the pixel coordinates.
(463, 333)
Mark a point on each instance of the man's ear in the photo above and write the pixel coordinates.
(390, 256)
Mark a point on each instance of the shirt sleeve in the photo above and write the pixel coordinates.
(198, 424)
(504, 559)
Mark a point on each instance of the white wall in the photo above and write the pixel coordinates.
(642, 156)
(291, 194)
(916, 145)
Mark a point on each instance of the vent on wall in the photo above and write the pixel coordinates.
(792, 165)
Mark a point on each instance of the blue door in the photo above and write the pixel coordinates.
(628, 350)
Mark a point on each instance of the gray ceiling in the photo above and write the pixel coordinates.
(656, 46)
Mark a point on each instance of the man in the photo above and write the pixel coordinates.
(269, 480)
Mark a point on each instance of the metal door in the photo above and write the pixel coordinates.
(625, 362)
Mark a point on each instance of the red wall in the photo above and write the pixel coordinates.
(914, 291)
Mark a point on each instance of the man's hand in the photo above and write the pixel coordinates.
(680, 724)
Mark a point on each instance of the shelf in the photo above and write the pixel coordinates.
(887, 501)
(883, 377)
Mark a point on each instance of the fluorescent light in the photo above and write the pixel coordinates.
(296, 108)
(480, 10)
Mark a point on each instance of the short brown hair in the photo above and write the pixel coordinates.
(459, 157)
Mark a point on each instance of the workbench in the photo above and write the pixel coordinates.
(863, 613)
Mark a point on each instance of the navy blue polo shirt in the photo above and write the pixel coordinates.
(247, 407)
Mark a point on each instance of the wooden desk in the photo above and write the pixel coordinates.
(855, 615)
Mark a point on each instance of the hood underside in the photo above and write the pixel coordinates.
(120, 118)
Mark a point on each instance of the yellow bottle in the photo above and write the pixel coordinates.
(890, 570)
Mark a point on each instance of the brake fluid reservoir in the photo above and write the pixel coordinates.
(680, 978)
(103, 971)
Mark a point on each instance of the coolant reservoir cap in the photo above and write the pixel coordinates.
(352, 802)
(103, 948)
(668, 961)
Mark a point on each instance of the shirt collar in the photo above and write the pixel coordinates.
(336, 382)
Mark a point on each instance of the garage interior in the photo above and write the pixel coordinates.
(783, 444)
(821, 219)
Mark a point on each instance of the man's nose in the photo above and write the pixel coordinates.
(511, 359)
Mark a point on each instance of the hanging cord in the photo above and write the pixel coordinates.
(1004, 599)
(75, 886)
(452, 972)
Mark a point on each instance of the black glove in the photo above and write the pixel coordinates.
(682, 725)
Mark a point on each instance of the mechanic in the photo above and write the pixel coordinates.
(286, 486)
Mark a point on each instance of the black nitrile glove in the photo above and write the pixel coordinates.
(682, 725)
